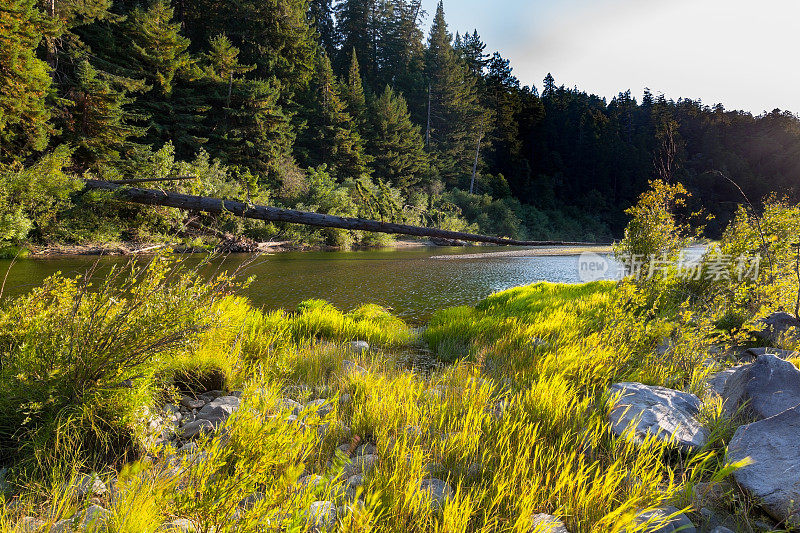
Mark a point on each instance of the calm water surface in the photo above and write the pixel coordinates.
(411, 282)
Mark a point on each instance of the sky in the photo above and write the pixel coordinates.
(743, 54)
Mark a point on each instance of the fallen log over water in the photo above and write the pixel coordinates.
(274, 214)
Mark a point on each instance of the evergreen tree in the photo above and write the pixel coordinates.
(457, 121)
(504, 97)
(321, 14)
(159, 55)
(274, 35)
(395, 143)
(357, 25)
(329, 137)
(549, 86)
(354, 94)
(96, 120)
(246, 125)
(400, 52)
(159, 50)
(473, 50)
(24, 82)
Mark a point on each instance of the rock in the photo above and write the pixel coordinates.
(711, 494)
(359, 347)
(773, 447)
(353, 483)
(721, 529)
(545, 523)
(248, 502)
(322, 515)
(751, 354)
(311, 482)
(366, 449)
(63, 526)
(769, 386)
(717, 381)
(436, 492)
(345, 399)
(290, 405)
(30, 524)
(196, 428)
(94, 518)
(678, 523)
(361, 464)
(352, 368)
(189, 447)
(322, 406)
(780, 326)
(89, 485)
(219, 410)
(662, 412)
(191, 403)
(179, 525)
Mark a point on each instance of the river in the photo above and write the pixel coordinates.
(412, 282)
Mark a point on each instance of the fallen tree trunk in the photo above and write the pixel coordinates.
(274, 214)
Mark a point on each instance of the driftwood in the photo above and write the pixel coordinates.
(274, 214)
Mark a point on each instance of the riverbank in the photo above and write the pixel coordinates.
(132, 248)
(500, 417)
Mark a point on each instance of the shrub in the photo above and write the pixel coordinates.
(79, 360)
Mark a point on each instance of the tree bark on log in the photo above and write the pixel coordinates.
(274, 214)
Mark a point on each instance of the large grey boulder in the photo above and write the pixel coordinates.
(666, 520)
(780, 326)
(768, 387)
(219, 410)
(545, 523)
(716, 382)
(773, 476)
(668, 414)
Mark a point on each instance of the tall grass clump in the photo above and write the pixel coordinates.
(80, 359)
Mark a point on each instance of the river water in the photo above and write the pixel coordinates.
(412, 282)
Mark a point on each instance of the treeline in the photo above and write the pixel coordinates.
(343, 107)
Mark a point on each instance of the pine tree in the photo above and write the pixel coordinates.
(159, 55)
(357, 23)
(274, 35)
(549, 86)
(25, 84)
(354, 94)
(159, 50)
(329, 137)
(97, 121)
(473, 50)
(395, 143)
(245, 124)
(457, 121)
(321, 14)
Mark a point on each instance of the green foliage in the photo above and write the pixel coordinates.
(97, 121)
(24, 82)
(31, 198)
(653, 232)
(457, 118)
(330, 137)
(79, 360)
(395, 143)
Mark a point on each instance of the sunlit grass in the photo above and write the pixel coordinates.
(513, 419)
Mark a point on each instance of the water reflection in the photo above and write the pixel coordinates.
(411, 282)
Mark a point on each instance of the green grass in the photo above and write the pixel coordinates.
(513, 416)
